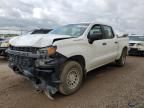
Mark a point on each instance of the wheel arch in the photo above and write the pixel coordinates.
(125, 48)
(81, 60)
(120, 52)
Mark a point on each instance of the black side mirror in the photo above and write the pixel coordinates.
(93, 37)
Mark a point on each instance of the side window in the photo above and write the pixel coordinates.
(96, 30)
(108, 32)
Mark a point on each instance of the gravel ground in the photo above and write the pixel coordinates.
(106, 87)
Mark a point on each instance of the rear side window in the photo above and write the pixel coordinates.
(108, 32)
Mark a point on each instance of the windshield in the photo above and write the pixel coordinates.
(74, 30)
(136, 38)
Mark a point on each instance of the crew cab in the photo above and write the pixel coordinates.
(59, 60)
(136, 45)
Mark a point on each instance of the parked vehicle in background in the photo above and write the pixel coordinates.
(4, 44)
(59, 60)
(1, 39)
(136, 45)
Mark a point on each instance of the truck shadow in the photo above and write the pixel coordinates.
(101, 70)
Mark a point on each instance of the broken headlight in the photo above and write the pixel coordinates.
(50, 51)
(140, 44)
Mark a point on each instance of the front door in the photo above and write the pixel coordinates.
(97, 50)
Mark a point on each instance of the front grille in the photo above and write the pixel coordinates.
(24, 49)
(133, 50)
(22, 61)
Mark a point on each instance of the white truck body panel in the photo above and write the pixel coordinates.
(95, 54)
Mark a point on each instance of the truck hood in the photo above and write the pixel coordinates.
(37, 40)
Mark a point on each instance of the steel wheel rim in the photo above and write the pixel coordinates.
(73, 78)
(123, 59)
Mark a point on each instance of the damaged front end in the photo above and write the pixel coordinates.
(37, 66)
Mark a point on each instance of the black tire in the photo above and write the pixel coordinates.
(122, 60)
(70, 84)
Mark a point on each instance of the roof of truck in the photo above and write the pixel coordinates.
(92, 23)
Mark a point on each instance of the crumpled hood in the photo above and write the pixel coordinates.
(36, 40)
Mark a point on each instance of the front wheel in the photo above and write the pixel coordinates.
(71, 78)
(122, 60)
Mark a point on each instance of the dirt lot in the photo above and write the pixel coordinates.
(106, 87)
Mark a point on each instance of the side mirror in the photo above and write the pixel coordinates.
(93, 37)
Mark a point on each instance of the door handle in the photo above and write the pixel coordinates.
(104, 44)
(116, 42)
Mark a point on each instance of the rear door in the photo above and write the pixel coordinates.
(110, 43)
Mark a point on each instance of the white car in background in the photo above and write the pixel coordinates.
(136, 45)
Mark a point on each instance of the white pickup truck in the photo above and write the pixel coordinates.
(59, 60)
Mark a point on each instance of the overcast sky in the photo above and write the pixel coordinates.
(123, 15)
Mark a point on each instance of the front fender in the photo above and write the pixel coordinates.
(72, 47)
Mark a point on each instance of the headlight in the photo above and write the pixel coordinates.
(50, 51)
(140, 44)
(5, 44)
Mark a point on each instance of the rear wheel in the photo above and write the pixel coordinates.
(122, 60)
(71, 78)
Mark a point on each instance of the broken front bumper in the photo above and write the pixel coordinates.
(43, 71)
